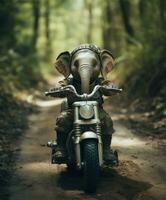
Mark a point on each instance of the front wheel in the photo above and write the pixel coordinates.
(91, 164)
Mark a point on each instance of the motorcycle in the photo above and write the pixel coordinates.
(84, 143)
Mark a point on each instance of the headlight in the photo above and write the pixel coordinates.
(86, 111)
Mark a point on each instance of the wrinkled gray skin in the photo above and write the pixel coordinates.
(85, 67)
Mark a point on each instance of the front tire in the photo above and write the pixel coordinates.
(91, 164)
(70, 166)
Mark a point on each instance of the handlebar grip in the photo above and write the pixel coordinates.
(52, 92)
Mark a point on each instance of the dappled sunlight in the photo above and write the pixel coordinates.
(49, 103)
(127, 142)
(42, 167)
(40, 41)
(123, 137)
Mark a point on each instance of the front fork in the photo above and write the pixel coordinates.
(100, 144)
(77, 146)
(78, 140)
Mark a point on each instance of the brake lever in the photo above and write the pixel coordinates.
(112, 87)
(51, 91)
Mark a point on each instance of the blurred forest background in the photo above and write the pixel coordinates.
(34, 32)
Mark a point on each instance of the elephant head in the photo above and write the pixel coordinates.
(85, 63)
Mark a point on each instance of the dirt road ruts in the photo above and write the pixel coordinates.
(141, 174)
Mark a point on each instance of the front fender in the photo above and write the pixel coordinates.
(88, 135)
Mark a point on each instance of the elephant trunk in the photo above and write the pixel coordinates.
(85, 75)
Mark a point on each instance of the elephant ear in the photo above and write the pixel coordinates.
(62, 63)
(107, 61)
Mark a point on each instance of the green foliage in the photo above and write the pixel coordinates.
(142, 65)
(19, 68)
(7, 23)
(137, 38)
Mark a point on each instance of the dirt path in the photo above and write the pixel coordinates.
(141, 174)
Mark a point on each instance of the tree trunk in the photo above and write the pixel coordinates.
(142, 13)
(8, 20)
(89, 7)
(47, 20)
(162, 7)
(106, 23)
(36, 16)
(125, 10)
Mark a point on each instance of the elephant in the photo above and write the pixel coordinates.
(85, 67)
(85, 63)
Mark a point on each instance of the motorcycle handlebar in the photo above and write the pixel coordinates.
(71, 89)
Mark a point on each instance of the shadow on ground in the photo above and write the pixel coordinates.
(112, 185)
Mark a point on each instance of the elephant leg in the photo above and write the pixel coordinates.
(64, 125)
(107, 131)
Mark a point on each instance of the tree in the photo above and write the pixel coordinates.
(36, 16)
(125, 10)
(7, 23)
(162, 8)
(89, 7)
(47, 20)
(106, 24)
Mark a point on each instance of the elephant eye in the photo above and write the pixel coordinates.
(76, 63)
(94, 62)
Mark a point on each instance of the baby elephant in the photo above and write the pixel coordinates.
(84, 68)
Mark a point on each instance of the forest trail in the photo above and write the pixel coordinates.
(141, 174)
